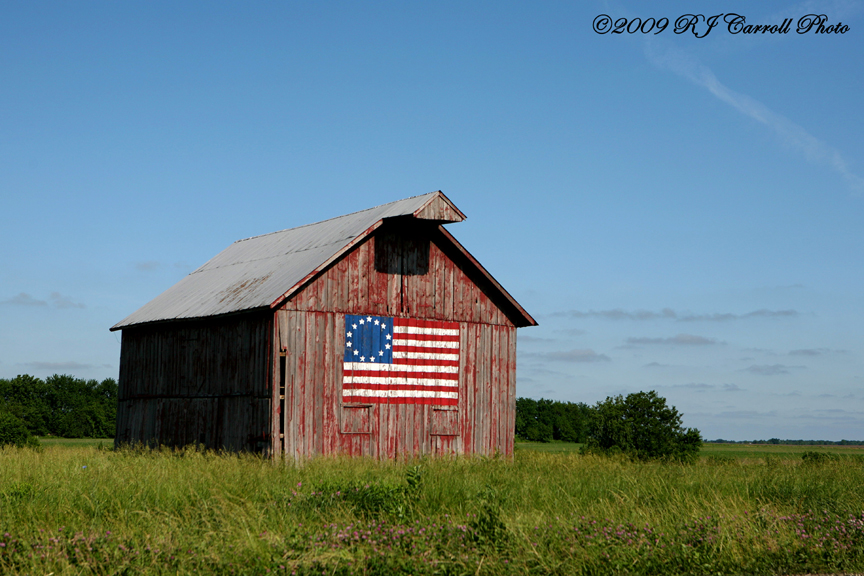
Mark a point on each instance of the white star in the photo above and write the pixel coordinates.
(368, 318)
(354, 326)
(348, 344)
(356, 352)
(362, 358)
(371, 358)
(376, 322)
(348, 334)
(388, 337)
(380, 352)
(361, 321)
(387, 346)
(383, 326)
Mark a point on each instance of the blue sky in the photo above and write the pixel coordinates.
(680, 214)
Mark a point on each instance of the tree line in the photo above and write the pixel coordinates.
(548, 420)
(788, 442)
(640, 425)
(61, 405)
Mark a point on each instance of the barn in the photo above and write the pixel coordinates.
(371, 334)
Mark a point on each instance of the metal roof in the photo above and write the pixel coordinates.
(257, 271)
(263, 271)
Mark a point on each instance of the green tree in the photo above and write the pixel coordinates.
(642, 426)
(531, 421)
(13, 431)
(62, 405)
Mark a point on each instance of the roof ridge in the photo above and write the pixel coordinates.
(335, 217)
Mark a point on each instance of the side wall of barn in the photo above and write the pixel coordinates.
(396, 273)
(197, 382)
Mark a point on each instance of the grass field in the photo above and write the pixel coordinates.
(81, 510)
(737, 451)
(76, 442)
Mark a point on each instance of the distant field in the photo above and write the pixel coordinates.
(717, 450)
(76, 442)
(777, 450)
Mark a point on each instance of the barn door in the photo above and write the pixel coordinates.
(444, 429)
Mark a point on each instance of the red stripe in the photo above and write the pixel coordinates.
(388, 374)
(434, 337)
(422, 362)
(399, 387)
(431, 401)
(427, 349)
(426, 323)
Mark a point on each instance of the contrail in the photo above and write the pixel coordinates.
(791, 134)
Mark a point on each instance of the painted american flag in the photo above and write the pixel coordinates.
(400, 361)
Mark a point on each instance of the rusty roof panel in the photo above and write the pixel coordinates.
(255, 272)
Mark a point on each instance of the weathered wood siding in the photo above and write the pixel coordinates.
(403, 272)
(197, 382)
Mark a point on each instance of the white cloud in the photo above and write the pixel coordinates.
(60, 301)
(57, 301)
(683, 339)
(575, 355)
(57, 366)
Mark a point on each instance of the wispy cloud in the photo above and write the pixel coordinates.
(680, 339)
(58, 366)
(60, 301)
(745, 415)
(57, 300)
(571, 331)
(619, 314)
(574, 355)
(670, 314)
(770, 369)
(816, 352)
(761, 313)
(701, 386)
(529, 338)
(666, 56)
(147, 266)
(24, 299)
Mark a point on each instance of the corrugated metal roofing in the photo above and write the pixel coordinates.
(254, 272)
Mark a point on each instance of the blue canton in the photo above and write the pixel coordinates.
(368, 339)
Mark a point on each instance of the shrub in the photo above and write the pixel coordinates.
(642, 426)
(817, 458)
(14, 432)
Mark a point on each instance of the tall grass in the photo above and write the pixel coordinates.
(89, 511)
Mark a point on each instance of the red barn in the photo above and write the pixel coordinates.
(374, 334)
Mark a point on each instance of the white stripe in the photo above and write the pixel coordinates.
(395, 380)
(421, 330)
(401, 394)
(425, 343)
(425, 356)
(375, 367)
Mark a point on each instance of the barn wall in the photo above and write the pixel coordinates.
(404, 269)
(404, 275)
(201, 382)
(316, 422)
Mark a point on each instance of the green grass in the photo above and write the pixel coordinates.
(549, 447)
(76, 442)
(81, 510)
(776, 450)
(736, 451)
